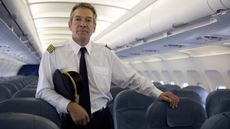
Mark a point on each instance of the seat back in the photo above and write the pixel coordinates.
(188, 115)
(25, 121)
(218, 101)
(129, 110)
(218, 121)
(114, 91)
(189, 94)
(203, 93)
(26, 92)
(5, 93)
(31, 106)
(171, 87)
(168, 87)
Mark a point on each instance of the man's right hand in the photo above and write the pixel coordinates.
(78, 114)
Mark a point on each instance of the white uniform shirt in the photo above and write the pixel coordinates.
(103, 66)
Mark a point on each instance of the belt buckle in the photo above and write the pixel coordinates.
(100, 110)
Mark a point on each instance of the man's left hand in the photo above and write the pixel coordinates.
(170, 97)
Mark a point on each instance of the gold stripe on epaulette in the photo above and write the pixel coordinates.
(50, 48)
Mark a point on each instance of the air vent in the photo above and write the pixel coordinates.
(213, 38)
(174, 45)
(135, 53)
(150, 50)
(208, 38)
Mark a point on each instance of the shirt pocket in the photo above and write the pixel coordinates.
(101, 70)
(102, 77)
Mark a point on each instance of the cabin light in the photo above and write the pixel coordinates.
(162, 82)
(184, 85)
(172, 83)
(221, 87)
(154, 59)
(136, 62)
(227, 44)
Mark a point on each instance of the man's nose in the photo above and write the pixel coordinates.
(83, 23)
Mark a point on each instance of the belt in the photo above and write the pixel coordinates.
(99, 111)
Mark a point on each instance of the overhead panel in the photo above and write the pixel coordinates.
(161, 16)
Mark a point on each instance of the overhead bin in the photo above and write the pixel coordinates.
(159, 17)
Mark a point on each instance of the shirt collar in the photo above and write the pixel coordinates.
(76, 47)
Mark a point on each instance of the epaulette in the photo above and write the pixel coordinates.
(108, 47)
(50, 48)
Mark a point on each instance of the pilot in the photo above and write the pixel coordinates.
(103, 69)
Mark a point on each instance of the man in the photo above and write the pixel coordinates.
(103, 67)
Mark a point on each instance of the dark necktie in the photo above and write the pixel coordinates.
(84, 99)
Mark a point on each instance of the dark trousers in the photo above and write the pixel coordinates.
(101, 119)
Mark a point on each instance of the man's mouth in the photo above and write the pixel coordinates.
(82, 31)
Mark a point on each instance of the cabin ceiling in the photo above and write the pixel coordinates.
(51, 16)
(130, 27)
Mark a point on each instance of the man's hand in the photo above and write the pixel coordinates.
(170, 97)
(78, 114)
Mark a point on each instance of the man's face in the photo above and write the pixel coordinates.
(82, 25)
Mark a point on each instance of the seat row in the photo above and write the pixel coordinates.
(18, 86)
(32, 106)
(20, 109)
(203, 93)
(133, 110)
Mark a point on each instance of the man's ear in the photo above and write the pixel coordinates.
(94, 27)
(69, 24)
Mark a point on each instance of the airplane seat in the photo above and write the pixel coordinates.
(218, 121)
(218, 101)
(168, 87)
(4, 93)
(129, 109)
(156, 83)
(31, 86)
(114, 91)
(188, 115)
(25, 121)
(12, 87)
(26, 92)
(189, 94)
(31, 106)
(203, 93)
(17, 83)
(29, 70)
(171, 87)
(30, 80)
(162, 88)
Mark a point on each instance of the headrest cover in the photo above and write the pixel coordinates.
(67, 84)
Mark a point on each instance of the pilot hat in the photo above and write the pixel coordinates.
(67, 84)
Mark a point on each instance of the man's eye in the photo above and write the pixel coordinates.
(89, 20)
(77, 19)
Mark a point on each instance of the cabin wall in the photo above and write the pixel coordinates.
(9, 67)
(204, 71)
